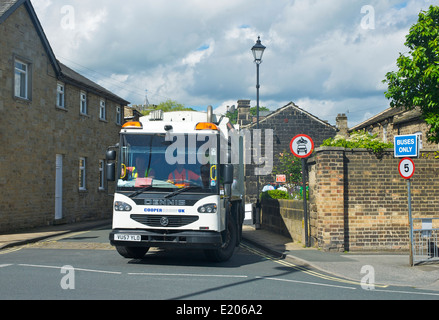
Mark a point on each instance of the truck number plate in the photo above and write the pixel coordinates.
(127, 237)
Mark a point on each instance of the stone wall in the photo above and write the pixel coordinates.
(283, 217)
(359, 202)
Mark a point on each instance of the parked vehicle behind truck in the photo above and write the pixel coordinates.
(175, 185)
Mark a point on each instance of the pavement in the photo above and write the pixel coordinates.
(389, 269)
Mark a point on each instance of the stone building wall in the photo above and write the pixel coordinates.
(34, 130)
(286, 123)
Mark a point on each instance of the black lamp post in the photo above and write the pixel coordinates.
(258, 51)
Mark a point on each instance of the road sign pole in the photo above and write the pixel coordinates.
(410, 221)
(302, 147)
(406, 169)
(305, 207)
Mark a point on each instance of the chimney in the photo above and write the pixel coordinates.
(342, 125)
(244, 117)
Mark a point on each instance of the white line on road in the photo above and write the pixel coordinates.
(306, 282)
(76, 269)
(186, 275)
(5, 265)
(409, 292)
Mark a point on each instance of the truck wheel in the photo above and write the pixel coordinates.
(132, 252)
(225, 252)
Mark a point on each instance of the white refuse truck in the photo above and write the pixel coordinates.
(179, 183)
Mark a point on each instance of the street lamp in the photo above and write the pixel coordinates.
(258, 51)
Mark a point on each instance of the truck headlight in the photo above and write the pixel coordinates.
(121, 206)
(208, 208)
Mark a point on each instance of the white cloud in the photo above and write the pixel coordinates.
(198, 51)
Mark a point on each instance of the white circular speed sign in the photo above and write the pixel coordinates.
(406, 168)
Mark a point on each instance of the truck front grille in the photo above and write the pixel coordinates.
(164, 221)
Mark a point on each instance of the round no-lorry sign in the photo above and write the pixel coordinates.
(302, 146)
(406, 168)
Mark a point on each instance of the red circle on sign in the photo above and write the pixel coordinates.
(406, 168)
(297, 148)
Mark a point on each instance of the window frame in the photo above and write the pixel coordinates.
(83, 103)
(101, 175)
(82, 174)
(27, 79)
(61, 94)
(119, 115)
(102, 110)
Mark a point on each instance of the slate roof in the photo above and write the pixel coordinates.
(289, 105)
(395, 115)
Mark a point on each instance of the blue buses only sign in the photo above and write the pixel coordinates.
(406, 146)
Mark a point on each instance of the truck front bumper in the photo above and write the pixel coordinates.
(149, 238)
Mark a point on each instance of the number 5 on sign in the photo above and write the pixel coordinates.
(406, 168)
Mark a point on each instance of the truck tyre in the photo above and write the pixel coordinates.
(132, 252)
(225, 252)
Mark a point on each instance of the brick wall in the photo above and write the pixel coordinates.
(358, 201)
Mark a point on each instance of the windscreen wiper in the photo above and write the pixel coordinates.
(136, 193)
(174, 193)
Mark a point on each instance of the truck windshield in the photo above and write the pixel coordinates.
(168, 163)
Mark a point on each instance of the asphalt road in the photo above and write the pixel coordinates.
(84, 266)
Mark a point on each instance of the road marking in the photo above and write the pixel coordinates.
(307, 282)
(186, 275)
(305, 270)
(5, 265)
(76, 269)
(5, 251)
(409, 292)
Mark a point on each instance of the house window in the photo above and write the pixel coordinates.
(82, 174)
(60, 101)
(102, 111)
(83, 102)
(118, 115)
(21, 85)
(101, 174)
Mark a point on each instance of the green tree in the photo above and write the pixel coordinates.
(290, 166)
(359, 139)
(168, 105)
(416, 83)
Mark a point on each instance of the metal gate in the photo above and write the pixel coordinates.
(425, 242)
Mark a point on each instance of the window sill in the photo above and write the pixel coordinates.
(62, 109)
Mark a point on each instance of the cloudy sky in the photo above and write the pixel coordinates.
(327, 56)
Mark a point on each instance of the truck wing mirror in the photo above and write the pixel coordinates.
(111, 172)
(111, 155)
(227, 173)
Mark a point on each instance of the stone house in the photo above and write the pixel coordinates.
(397, 121)
(286, 122)
(55, 128)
